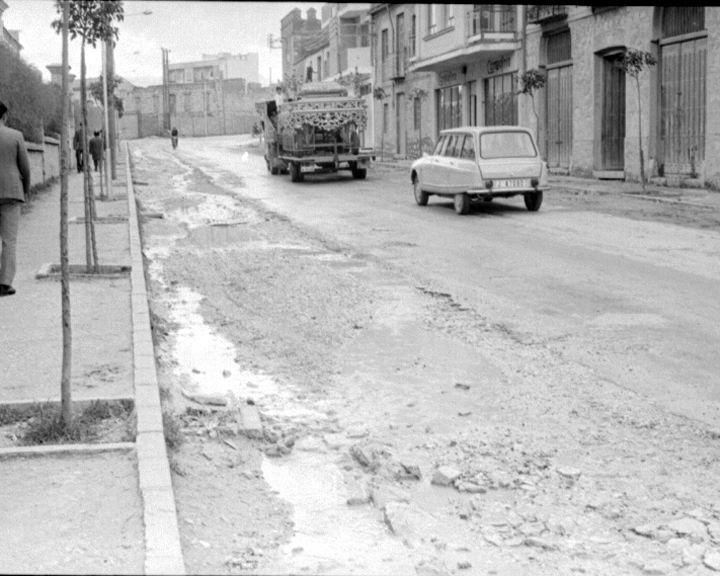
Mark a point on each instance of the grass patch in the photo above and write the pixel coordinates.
(172, 426)
(99, 421)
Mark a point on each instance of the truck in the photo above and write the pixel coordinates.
(315, 133)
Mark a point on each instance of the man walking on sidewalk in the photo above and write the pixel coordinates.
(14, 186)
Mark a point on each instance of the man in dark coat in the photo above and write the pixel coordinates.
(14, 186)
(97, 145)
(78, 147)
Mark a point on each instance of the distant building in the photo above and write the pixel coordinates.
(295, 32)
(10, 38)
(224, 66)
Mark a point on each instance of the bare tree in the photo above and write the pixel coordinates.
(633, 63)
(530, 82)
(65, 390)
(381, 95)
(419, 94)
(93, 21)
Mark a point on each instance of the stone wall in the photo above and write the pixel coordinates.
(44, 161)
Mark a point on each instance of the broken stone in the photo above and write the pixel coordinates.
(688, 527)
(206, 399)
(408, 521)
(357, 493)
(462, 386)
(335, 441)
(711, 559)
(445, 475)
(692, 554)
(713, 528)
(656, 567)
(647, 530)
(363, 454)
(381, 496)
(568, 472)
(356, 433)
(310, 444)
(464, 565)
(411, 470)
(538, 542)
(226, 373)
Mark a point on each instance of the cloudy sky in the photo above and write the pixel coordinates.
(188, 28)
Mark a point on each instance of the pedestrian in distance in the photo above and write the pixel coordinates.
(97, 145)
(78, 147)
(14, 187)
(174, 137)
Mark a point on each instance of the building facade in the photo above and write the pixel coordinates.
(10, 38)
(464, 64)
(593, 114)
(216, 66)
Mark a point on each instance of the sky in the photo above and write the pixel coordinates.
(188, 28)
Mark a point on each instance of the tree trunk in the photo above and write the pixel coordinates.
(90, 242)
(86, 162)
(642, 156)
(66, 378)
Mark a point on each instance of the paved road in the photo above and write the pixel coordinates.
(634, 300)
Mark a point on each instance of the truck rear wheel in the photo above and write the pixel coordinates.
(359, 173)
(295, 174)
(274, 170)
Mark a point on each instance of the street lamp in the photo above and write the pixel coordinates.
(111, 122)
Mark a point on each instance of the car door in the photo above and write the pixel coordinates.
(429, 177)
(446, 166)
(467, 166)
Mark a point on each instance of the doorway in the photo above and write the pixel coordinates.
(612, 138)
(400, 124)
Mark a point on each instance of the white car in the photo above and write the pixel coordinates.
(474, 163)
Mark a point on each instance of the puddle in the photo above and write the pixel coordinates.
(331, 537)
(215, 236)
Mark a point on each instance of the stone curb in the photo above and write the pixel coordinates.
(56, 449)
(163, 552)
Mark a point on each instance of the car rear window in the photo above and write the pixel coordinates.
(507, 145)
(439, 145)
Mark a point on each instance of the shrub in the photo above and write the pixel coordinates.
(32, 104)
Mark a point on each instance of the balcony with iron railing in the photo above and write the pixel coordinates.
(394, 65)
(490, 19)
(545, 14)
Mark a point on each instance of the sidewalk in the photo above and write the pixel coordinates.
(694, 196)
(96, 508)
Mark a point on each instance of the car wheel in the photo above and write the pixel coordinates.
(421, 197)
(462, 203)
(533, 200)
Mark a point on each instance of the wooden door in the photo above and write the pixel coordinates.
(682, 124)
(612, 140)
(400, 113)
(559, 116)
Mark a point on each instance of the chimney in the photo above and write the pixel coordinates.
(311, 14)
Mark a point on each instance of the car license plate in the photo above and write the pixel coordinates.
(515, 183)
(308, 168)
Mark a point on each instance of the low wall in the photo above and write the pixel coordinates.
(44, 161)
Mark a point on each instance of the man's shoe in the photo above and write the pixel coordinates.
(6, 290)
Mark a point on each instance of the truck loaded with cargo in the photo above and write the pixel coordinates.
(315, 133)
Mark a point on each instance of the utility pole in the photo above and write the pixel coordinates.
(112, 128)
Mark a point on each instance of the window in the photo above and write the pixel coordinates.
(413, 23)
(559, 48)
(417, 113)
(440, 17)
(319, 68)
(451, 146)
(500, 101)
(188, 102)
(449, 107)
(507, 145)
(438, 147)
(468, 149)
(173, 104)
(384, 44)
(386, 117)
